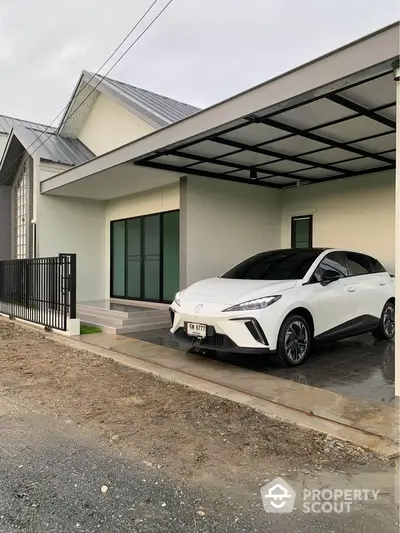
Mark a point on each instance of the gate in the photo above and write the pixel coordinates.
(42, 291)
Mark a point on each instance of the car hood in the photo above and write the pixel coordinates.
(231, 291)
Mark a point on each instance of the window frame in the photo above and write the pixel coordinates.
(293, 221)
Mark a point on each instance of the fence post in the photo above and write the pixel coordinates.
(72, 302)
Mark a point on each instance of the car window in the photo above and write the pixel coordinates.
(359, 264)
(275, 265)
(376, 265)
(334, 261)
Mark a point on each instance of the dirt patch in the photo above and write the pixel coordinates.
(164, 424)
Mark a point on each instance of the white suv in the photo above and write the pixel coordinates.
(279, 302)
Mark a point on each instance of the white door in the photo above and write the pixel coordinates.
(338, 301)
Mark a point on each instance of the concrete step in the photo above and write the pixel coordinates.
(143, 327)
(122, 315)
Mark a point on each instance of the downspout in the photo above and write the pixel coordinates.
(396, 74)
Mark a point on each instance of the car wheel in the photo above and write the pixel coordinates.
(386, 328)
(294, 341)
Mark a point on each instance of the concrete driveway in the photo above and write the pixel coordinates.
(360, 367)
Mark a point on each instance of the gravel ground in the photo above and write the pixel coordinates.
(191, 434)
(89, 445)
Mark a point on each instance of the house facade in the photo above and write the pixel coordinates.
(153, 195)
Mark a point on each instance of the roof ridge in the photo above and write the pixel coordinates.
(142, 89)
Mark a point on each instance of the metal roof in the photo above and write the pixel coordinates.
(55, 149)
(161, 109)
(7, 123)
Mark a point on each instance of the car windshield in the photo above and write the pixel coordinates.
(275, 265)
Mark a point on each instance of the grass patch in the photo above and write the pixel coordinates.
(86, 329)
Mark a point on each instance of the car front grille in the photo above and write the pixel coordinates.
(213, 341)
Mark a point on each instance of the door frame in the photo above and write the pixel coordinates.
(161, 274)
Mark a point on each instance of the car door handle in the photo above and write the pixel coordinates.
(351, 288)
(382, 283)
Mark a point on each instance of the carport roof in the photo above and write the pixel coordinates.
(329, 119)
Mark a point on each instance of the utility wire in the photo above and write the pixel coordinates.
(96, 74)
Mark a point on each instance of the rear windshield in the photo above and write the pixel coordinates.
(276, 265)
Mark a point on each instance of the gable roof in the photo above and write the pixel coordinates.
(8, 123)
(161, 109)
(55, 149)
(157, 110)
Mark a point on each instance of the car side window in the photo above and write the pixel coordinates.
(376, 265)
(336, 262)
(359, 264)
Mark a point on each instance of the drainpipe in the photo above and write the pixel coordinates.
(396, 74)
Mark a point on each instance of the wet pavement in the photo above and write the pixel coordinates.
(360, 367)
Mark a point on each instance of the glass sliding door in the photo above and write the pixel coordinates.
(118, 258)
(151, 259)
(145, 257)
(133, 258)
(170, 247)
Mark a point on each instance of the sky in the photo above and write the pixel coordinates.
(198, 51)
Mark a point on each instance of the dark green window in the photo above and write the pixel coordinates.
(145, 257)
(302, 234)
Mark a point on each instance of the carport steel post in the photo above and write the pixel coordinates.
(396, 73)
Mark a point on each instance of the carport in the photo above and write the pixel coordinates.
(331, 120)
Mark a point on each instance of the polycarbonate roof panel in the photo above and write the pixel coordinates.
(355, 128)
(254, 134)
(373, 93)
(339, 135)
(209, 149)
(377, 144)
(248, 158)
(361, 163)
(315, 114)
(294, 145)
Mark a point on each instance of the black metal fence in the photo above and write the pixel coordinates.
(41, 290)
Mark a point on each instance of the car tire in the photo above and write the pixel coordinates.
(385, 330)
(294, 341)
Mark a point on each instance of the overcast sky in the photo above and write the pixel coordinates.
(198, 51)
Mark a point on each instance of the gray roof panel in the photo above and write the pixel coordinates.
(55, 148)
(7, 123)
(158, 108)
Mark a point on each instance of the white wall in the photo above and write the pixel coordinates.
(109, 126)
(154, 201)
(74, 225)
(226, 222)
(356, 213)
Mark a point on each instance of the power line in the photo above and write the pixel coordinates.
(96, 74)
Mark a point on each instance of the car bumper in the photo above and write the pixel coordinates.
(226, 332)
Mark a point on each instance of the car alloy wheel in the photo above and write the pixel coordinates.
(296, 341)
(388, 321)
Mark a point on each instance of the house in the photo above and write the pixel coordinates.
(101, 115)
(305, 159)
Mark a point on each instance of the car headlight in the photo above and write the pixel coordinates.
(177, 299)
(259, 303)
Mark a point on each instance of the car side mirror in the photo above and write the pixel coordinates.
(329, 276)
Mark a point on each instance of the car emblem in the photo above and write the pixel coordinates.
(198, 308)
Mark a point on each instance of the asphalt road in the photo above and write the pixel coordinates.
(52, 474)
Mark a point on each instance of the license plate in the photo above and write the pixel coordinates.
(196, 330)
